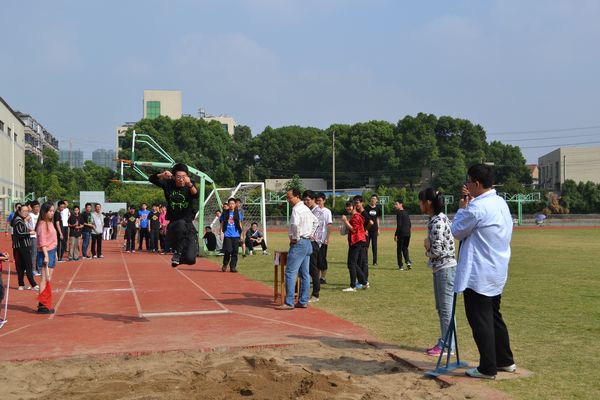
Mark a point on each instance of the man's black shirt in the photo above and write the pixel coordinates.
(180, 200)
(374, 213)
(211, 241)
(130, 218)
(402, 223)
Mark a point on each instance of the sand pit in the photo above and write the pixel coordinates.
(312, 370)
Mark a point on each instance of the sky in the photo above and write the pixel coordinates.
(527, 71)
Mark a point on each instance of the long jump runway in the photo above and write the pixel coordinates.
(137, 303)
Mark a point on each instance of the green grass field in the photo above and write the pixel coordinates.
(551, 305)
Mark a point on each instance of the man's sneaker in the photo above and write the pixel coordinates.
(374, 264)
(322, 281)
(265, 253)
(44, 310)
(175, 260)
(232, 270)
(36, 288)
(349, 289)
(94, 256)
(313, 299)
(474, 373)
(401, 269)
(21, 288)
(359, 286)
(408, 266)
(251, 252)
(100, 256)
(224, 268)
(508, 368)
(133, 251)
(36, 273)
(300, 305)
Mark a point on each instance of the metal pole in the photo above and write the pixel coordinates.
(13, 165)
(201, 214)
(263, 212)
(333, 168)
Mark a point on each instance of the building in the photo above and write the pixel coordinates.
(278, 185)
(121, 132)
(12, 158)
(580, 164)
(534, 171)
(72, 157)
(162, 102)
(227, 122)
(104, 158)
(37, 138)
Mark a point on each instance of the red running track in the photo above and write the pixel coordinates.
(137, 303)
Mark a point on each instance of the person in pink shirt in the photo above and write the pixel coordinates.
(46, 244)
(164, 223)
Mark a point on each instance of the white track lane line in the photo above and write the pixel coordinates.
(58, 303)
(289, 323)
(135, 297)
(195, 284)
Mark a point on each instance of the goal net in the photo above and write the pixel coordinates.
(252, 195)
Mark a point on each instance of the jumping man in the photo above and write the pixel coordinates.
(180, 193)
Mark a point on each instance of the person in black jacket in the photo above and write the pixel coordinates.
(402, 234)
(180, 193)
(21, 239)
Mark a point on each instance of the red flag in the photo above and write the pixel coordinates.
(45, 297)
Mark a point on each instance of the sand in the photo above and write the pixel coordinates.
(311, 370)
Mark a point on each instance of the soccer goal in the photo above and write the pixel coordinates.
(252, 195)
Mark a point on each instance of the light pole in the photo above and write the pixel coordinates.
(333, 169)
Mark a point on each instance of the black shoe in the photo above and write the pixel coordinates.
(233, 270)
(224, 268)
(408, 267)
(175, 260)
(322, 281)
(45, 310)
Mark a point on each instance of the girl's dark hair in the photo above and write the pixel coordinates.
(18, 207)
(436, 198)
(43, 211)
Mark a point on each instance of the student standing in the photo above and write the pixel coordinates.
(439, 248)
(144, 226)
(34, 213)
(355, 226)
(47, 245)
(98, 221)
(106, 232)
(61, 235)
(374, 212)
(86, 231)
(130, 223)
(75, 226)
(232, 232)
(309, 198)
(402, 234)
(154, 228)
(325, 233)
(21, 239)
(363, 262)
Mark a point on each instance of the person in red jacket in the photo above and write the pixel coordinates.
(356, 240)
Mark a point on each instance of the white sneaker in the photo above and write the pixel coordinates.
(313, 299)
(508, 368)
(35, 273)
(94, 256)
(21, 288)
(349, 289)
(36, 288)
(265, 253)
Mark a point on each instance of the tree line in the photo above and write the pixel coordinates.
(396, 158)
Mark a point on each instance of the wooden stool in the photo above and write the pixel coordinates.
(279, 278)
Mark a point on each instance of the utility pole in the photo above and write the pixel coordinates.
(333, 168)
(14, 135)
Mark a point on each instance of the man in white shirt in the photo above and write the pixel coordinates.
(326, 231)
(65, 213)
(484, 225)
(31, 224)
(303, 225)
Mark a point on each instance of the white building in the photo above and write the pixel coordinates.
(12, 158)
(162, 102)
(580, 164)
